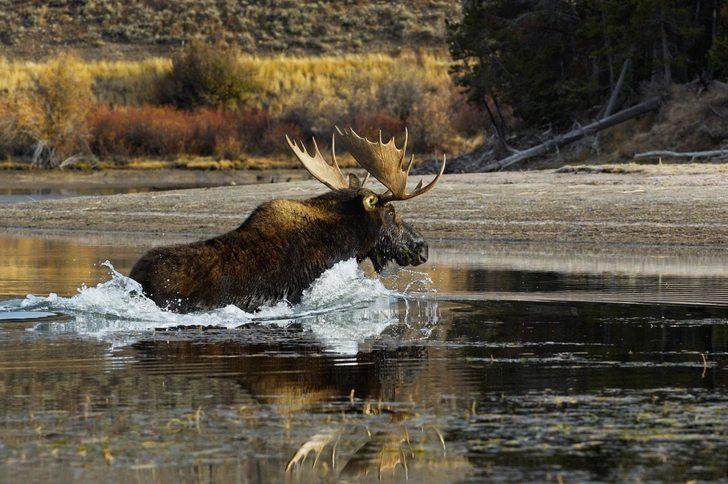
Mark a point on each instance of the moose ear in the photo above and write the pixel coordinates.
(354, 181)
(370, 202)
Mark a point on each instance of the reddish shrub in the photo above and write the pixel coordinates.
(131, 131)
(253, 128)
(467, 118)
(165, 131)
(369, 124)
(208, 128)
(273, 140)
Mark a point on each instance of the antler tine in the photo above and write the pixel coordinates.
(328, 174)
(419, 190)
(385, 162)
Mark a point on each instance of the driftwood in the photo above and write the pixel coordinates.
(575, 135)
(675, 154)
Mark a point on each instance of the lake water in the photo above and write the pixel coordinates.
(504, 363)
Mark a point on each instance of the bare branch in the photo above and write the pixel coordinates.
(676, 154)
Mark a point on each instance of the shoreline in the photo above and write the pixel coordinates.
(656, 208)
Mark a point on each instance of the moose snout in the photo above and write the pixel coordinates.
(420, 255)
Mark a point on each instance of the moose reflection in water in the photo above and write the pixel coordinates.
(285, 245)
(371, 416)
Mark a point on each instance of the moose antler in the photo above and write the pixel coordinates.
(386, 163)
(329, 175)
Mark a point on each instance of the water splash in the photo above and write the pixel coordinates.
(341, 308)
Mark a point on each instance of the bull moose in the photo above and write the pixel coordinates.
(284, 245)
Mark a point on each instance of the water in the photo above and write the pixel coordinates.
(20, 187)
(13, 195)
(489, 363)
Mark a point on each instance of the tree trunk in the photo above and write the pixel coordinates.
(575, 135)
(612, 101)
(666, 56)
(492, 120)
(506, 128)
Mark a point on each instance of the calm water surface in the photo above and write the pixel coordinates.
(489, 363)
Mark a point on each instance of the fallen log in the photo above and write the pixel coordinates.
(575, 135)
(677, 154)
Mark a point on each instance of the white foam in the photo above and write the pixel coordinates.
(342, 308)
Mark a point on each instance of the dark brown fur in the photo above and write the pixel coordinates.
(281, 248)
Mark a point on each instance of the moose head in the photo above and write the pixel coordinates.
(398, 241)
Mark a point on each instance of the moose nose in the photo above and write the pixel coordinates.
(421, 255)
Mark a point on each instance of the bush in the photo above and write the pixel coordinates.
(432, 122)
(49, 117)
(399, 95)
(369, 125)
(206, 76)
(136, 132)
(129, 132)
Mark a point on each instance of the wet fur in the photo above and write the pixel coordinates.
(280, 249)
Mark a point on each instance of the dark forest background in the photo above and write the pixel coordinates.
(554, 61)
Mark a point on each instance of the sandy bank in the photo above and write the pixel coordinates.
(659, 207)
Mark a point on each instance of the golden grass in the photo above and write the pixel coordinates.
(284, 79)
(148, 165)
(283, 73)
(204, 163)
(128, 83)
(14, 165)
(118, 82)
(279, 78)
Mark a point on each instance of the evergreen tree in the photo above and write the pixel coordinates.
(554, 60)
(718, 54)
(521, 52)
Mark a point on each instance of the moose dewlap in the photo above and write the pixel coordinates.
(284, 245)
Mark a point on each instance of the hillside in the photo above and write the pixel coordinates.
(135, 29)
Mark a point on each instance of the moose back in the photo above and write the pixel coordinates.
(284, 245)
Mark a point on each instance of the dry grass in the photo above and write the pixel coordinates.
(281, 77)
(144, 164)
(307, 96)
(339, 76)
(120, 82)
(134, 28)
(688, 123)
(14, 165)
